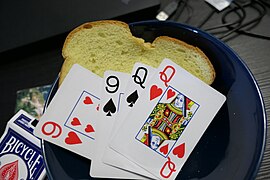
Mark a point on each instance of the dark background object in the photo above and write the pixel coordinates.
(24, 22)
(34, 37)
(32, 56)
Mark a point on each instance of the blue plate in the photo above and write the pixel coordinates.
(231, 148)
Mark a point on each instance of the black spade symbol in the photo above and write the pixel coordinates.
(109, 108)
(132, 98)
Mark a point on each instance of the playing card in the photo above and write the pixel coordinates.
(140, 76)
(168, 121)
(70, 119)
(85, 108)
(111, 99)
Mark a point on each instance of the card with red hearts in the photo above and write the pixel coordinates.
(81, 118)
(170, 117)
(71, 117)
(167, 121)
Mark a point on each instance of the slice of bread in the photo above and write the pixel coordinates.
(109, 45)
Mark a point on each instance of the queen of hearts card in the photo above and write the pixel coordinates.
(167, 121)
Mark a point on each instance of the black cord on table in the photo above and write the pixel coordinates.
(168, 10)
(239, 24)
(182, 6)
(261, 12)
(240, 19)
(207, 17)
(174, 9)
(180, 9)
(190, 13)
(266, 2)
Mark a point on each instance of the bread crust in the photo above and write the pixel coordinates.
(139, 41)
(89, 25)
(188, 46)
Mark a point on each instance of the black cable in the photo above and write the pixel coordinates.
(234, 10)
(238, 25)
(238, 7)
(255, 20)
(207, 17)
(182, 7)
(179, 11)
(168, 10)
(190, 13)
(266, 2)
(263, 13)
(233, 29)
(255, 35)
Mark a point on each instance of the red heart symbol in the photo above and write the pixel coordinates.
(164, 149)
(179, 151)
(155, 92)
(87, 100)
(73, 138)
(75, 122)
(89, 128)
(170, 93)
(97, 107)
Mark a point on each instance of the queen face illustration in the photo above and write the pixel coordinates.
(179, 101)
(155, 141)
